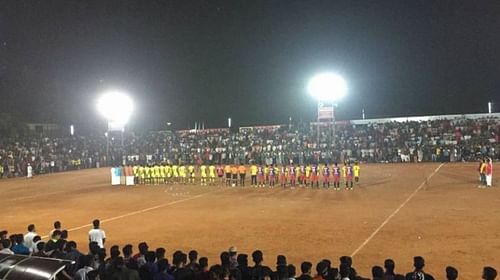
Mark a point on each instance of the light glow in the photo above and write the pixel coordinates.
(327, 87)
(115, 106)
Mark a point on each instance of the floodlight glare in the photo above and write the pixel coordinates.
(115, 106)
(327, 87)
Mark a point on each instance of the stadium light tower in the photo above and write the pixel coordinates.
(327, 89)
(116, 107)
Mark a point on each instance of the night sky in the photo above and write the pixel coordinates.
(185, 61)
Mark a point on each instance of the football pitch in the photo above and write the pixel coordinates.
(396, 211)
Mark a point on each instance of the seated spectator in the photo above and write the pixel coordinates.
(5, 247)
(83, 272)
(52, 243)
(19, 247)
(40, 247)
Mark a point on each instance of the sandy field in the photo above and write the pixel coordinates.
(396, 211)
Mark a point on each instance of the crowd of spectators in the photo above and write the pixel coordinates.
(437, 140)
(149, 264)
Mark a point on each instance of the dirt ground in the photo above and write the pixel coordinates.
(394, 212)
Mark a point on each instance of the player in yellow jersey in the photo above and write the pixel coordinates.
(147, 172)
(142, 175)
(191, 174)
(356, 170)
(203, 175)
(168, 172)
(175, 173)
(183, 174)
(253, 175)
(156, 173)
(163, 173)
(266, 174)
(211, 172)
(135, 172)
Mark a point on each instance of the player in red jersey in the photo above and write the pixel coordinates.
(336, 177)
(283, 176)
(260, 176)
(292, 175)
(314, 176)
(326, 176)
(220, 173)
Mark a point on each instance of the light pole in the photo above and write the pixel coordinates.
(116, 107)
(326, 88)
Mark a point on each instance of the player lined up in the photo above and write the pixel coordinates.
(261, 175)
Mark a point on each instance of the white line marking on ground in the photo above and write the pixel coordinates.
(396, 211)
(141, 211)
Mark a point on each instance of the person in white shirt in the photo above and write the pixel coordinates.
(29, 171)
(28, 237)
(96, 234)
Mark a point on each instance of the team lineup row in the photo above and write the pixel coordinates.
(261, 175)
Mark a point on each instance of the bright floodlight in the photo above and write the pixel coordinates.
(115, 107)
(327, 87)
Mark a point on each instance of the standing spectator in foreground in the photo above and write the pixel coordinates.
(377, 273)
(291, 272)
(451, 273)
(389, 266)
(28, 237)
(246, 273)
(418, 273)
(258, 270)
(204, 273)
(57, 226)
(128, 259)
(233, 257)
(489, 273)
(96, 234)
(305, 268)
(193, 261)
(322, 271)
(162, 271)
(140, 258)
